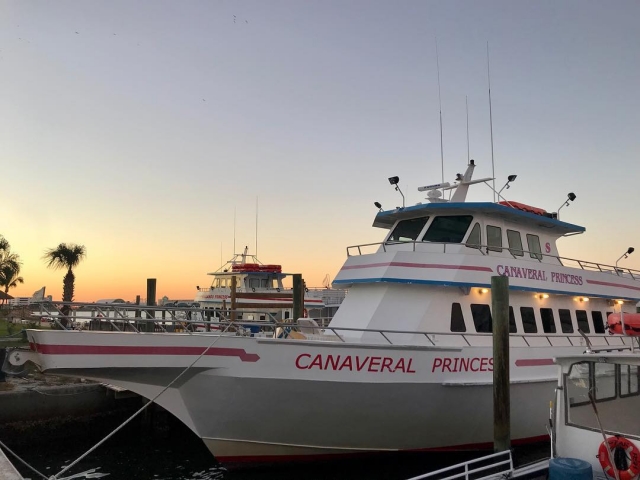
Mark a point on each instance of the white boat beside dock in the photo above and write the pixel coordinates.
(406, 362)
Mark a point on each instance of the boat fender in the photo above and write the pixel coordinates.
(305, 314)
(253, 289)
(626, 458)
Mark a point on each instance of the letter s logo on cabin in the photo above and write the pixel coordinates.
(547, 247)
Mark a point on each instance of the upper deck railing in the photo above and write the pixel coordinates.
(141, 319)
(517, 254)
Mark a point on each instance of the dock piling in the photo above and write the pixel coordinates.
(501, 385)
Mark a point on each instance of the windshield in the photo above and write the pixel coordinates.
(407, 230)
(614, 388)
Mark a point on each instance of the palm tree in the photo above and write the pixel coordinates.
(9, 266)
(10, 277)
(66, 256)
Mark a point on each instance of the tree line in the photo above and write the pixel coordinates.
(65, 256)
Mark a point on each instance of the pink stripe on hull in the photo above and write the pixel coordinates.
(421, 265)
(534, 362)
(48, 349)
(610, 284)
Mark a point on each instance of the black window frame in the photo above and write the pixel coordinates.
(438, 229)
(403, 222)
(566, 321)
(516, 252)
(552, 323)
(457, 318)
(583, 321)
(494, 248)
(533, 316)
(479, 313)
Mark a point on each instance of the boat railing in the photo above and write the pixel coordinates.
(368, 248)
(495, 465)
(191, 320)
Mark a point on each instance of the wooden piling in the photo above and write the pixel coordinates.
(298, 296)
(501, 397)
(233, 298)
(151, 302)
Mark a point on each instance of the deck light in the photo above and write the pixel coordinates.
(570, 198)
(629, 251)
(378, 205)
(510, 178)
(542, 295)
(619, 302)
(581, 299)
(394, 181)
(483, 290)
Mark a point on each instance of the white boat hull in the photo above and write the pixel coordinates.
(259, 399)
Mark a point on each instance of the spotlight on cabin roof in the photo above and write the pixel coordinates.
(394, 180)
(378, 205)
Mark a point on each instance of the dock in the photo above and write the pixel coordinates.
(7, 470)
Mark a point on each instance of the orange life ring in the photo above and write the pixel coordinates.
(305, 314)
(631, 452)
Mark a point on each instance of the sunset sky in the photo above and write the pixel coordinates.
(142, 129)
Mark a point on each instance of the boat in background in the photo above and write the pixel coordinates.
(252, 276)
(408, 353)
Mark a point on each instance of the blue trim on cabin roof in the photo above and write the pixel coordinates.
(480, 285)
(388, 217)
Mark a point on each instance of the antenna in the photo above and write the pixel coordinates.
(493, 169)
(440, 103)
(256, 226)
(466, 101)
(234, 230)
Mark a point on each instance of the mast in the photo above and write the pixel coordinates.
(440, 104)
(466, 101)
(256, 227)
(493, 169)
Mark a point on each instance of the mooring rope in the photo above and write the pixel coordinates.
(144, 407)
(22, 461)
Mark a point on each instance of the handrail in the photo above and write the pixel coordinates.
(583, 264)
(499, 462)
(100, 313)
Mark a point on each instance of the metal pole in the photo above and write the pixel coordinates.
(151, 302)
(233, 298)
(501, 397)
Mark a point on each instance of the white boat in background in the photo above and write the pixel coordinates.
(253, 276)
(406, 362)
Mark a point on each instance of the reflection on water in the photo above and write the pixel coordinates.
(167, 450)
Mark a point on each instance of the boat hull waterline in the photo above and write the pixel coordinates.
(253, 399)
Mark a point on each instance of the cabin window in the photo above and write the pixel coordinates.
(254, 283)
(548, 324)
(457, 320)
(515, 243)
(565, 320)
(629, 375)
(528, 320)
(474, 240)
(512, 321)
(598, 324)
(583, 321)
(217, 283)
(448, 229)
(408, 230)
(287, 314)
(494, 238)
(481, 317)
(533, 241)
(605, 381)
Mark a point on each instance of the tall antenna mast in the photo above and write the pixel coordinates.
(466, 101)
(256, 226)
(440, 103)
(493, 169)
(234, 230)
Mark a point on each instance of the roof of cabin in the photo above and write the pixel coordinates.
(388, 218)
